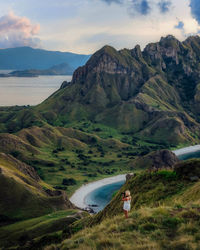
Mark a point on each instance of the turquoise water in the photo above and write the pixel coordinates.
(102, 196)
(191, 155)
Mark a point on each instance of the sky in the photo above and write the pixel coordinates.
(84, 26)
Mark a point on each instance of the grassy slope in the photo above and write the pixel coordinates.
(165, 215)
(35, 229)
(147, 228)
(58, 153)
(162, 187)
(27, 193)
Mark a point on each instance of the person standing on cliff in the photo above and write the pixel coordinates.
(127, 202)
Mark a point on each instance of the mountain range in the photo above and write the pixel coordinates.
(27, 58)
(133, 91)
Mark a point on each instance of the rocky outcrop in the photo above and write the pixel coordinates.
(163, 159)
(155, 160)
(189, 170)
(129, 176)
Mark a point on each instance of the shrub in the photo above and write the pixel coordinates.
(68, 181)
(148, 227)
(168, 175)
(171, 223)
(15, 153)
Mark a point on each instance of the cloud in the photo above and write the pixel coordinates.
(180, 25)
(141, 7)
(164, 6)
(17, 31)
(113, 1)
(195, 9)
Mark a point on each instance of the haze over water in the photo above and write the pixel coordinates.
(28, 90)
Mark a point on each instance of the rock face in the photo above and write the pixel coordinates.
(163, 158)
(155, 160)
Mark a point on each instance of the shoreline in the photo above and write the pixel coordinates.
(78, 197)
(186, 150)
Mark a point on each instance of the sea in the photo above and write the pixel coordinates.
(100, 197)
(28, 90)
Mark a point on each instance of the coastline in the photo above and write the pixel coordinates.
(78, 198)
(186, 150)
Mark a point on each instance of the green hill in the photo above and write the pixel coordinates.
(131, 91)
(23, 194)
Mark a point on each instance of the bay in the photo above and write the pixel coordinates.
(102, 196)
(188, 152)
(28, 90)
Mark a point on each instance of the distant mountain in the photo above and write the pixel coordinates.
(23, 58)
(61, 69)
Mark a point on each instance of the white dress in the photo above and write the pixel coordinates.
(127, 205)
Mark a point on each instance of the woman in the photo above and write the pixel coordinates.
(127, 203)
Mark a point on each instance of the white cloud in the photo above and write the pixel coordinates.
(17, 31)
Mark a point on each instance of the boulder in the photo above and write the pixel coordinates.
(129, 176)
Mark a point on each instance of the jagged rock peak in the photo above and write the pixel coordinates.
(168, 37)
(136, 52)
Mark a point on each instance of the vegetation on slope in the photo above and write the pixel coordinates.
(35, 233)
(23, 194)
(147, 228)
(169, 188)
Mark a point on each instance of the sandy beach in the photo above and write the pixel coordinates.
(79, 196)
(187, 150)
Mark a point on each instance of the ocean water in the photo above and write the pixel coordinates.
(102, 196)
(190, 155)
(28, 90)
(188, 152)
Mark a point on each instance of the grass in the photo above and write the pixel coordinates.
(37, 227)
(147, 228)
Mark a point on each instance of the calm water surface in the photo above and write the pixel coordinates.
(102, 196)
(28, 90)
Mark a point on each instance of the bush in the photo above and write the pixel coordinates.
(15, 153)
(171, 223)
(168, 175)
(69, 182)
